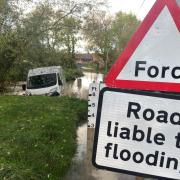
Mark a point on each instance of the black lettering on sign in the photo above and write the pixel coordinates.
(156, 158)
(175, 74)
(138, 68)
(134, 108)
(164, 69)
(137, 111)
(155, 71)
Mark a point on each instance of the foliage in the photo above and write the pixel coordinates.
(9, 15)
(107, 36)
(98, 33)
(123, 26)
(49, 33)
(38, 136)
(10, 52)
(72, 74)
(45, 36)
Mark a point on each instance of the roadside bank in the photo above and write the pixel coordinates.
(38, 135)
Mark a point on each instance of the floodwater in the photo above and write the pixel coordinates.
(81, 168)
(79, 87)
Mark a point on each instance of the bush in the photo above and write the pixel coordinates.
(72, 74)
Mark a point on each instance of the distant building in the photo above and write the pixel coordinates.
(83, 58)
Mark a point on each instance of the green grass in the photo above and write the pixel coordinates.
(38, 136)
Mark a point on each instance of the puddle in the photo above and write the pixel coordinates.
(79, 87)
(78, 168)
(82, 168)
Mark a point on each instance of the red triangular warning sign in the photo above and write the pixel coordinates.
(151, 60)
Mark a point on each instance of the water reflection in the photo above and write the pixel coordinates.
(82, 168)
(79, 87)
(78, 168)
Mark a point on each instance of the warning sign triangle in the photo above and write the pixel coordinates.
(151, 60)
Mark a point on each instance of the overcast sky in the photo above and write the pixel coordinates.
(138, 7)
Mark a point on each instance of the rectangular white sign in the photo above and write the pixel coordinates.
(138, 133)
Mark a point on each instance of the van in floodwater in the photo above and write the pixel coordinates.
(45, 81)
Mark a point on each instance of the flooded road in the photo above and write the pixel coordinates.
(81, 168)
(79, 88)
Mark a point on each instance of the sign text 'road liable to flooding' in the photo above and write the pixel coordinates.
(138, 133)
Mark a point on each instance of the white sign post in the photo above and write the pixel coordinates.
(92, 104)
(138, 133)
(94, 89)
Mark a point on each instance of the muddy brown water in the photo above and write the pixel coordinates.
(81, 168)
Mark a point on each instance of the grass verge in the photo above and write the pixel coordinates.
(38, 136)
